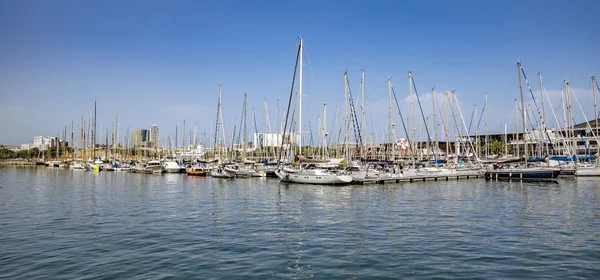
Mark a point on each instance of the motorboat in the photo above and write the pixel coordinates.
(153, 167)
(196, 170)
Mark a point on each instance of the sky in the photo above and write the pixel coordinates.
(161, 62)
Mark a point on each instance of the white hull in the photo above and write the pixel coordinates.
(172, 170)
(319, 178)
(77, 166)
(224, 175)
(587, 171)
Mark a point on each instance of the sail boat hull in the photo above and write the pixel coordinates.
(312, 177)
(587, 171)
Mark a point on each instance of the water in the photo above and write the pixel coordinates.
(63, 224)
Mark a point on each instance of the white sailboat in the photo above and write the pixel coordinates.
(314, 176)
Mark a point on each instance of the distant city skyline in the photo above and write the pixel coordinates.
(156, 62)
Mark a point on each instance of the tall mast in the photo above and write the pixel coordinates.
(543, 110)
(435, 148)
(244, 135)
(116, 142)
(595, 108)
(412, 112)
(522, 107)
(346, 114)
(324, 127)
(94, 134)
(362, 118)
(486, 126)
(216, 139)
(300, 99)
(567, 118)
(390, 124)
(265, 128)
(447, 124)
(72, 136)
(517, 127)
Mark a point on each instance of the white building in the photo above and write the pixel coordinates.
(272, 139)
(43, 143)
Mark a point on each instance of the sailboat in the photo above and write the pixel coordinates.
(308, 173)
(508, 172)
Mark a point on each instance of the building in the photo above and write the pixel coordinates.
(272, 139)
(154, 140)
(139, 138)
(38, 141)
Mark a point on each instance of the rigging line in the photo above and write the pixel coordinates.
(403, 125)
(480, 118)
(423, 116)
(584, 115)
(473, 150)
(353, 117)
(443, 122)
(596, 81)
(471, 121)
(289, 104)
(536, 107)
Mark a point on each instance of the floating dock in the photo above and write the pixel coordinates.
(415, 179)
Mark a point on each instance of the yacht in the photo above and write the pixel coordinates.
(153, 166)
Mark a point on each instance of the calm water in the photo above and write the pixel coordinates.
(62, 224)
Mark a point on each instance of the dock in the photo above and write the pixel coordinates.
(415, 179)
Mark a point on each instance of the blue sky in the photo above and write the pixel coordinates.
(160, 62)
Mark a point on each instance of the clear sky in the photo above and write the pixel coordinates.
(161, 62)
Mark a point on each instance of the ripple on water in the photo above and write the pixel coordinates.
(67, 224)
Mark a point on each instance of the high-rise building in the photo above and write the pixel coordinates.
(154, 136)
(139, 138)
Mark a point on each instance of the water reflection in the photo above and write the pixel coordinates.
(149, 226)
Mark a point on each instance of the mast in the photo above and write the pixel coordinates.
(300, 99)
(325, 143)
(447, 118)
(116, 142)
(487, 152)
(517, 127)
(522, 108)
(289, 104)
(544, 109)
(435, 147)
(412, 112)
(72, 136)
(346, 118)
(94, 134)
(216, 141)
(595, 108)
(362, 107)
(244, 135)
(390, 124)
(106, 145)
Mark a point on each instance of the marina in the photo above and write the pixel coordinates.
(532, 153)
(299, 140)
